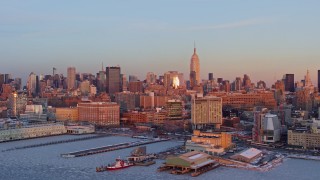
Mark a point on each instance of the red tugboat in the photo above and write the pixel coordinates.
(119, 164)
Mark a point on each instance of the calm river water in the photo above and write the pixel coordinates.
(45, 163)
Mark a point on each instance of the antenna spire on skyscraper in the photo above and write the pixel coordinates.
(194, 46)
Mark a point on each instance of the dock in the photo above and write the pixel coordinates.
(146, 163)
(109, 148)
(57, 142)
(305, 157)
(204, 169)
(193, 162)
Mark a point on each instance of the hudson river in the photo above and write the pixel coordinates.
(45, 163)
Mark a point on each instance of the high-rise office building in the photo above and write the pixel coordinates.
(289, 82)
(193, 81)
(237, 84)
(71, 76)
(124, 82)
(194, 69)
(210, 76)
(32, 84)
(113, 81)
(133, 78)
(226, 86)
(308, 82)
(85, 87)
(7, 78)
(173, 79)
(101, 81)
(37, 85)
(319, 80)
(246, 81)
(17, 83)
(56, 81)
(1, 81)
(151, 78)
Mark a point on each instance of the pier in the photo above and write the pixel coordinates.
(110, 148)
(56, 142)
(305, 157)
(242, 165)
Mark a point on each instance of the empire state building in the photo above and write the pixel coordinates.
(194, 69)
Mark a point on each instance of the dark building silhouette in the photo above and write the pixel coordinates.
(113, 80)
(7, 78)
(319, 80)
(1, 80)
(210, 76)
(289, 82)
(37, 86)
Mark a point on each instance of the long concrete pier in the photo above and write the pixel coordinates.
(57, 142)
(108, 148)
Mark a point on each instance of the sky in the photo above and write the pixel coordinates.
(264, 39)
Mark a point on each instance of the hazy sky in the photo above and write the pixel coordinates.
(264, 39)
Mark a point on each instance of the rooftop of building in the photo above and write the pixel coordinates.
(250, 153)
(194, 156)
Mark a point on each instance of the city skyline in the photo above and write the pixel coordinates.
(175, 89)
(262, 39)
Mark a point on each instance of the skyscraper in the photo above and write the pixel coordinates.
(238, 84)
(151, 78)
(113, 80)
(173, 79)
(210, 76)
(289, 82)
(17, 83)
(71, 78)
(319, 80)
(133, 78)
(193, 81)
(32, 84)
(124, 82)
(307, 80)
(1, 80)
(7, 78)
(194, 69)
(101, 81)
(246, 81)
